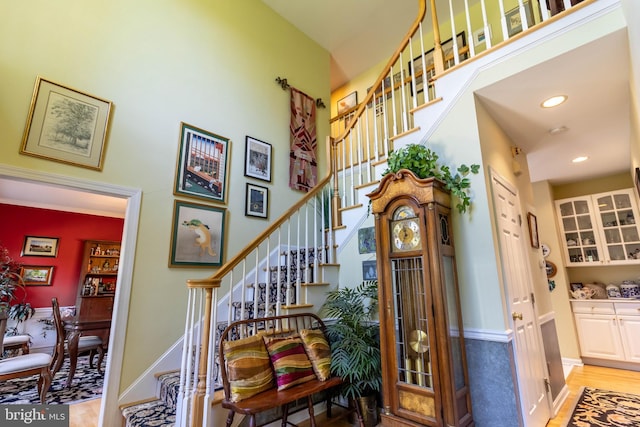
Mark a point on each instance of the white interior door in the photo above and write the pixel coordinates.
(529, 354)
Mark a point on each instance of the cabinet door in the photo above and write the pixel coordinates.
(616, 215)
(580, 237)
(630, 332)
(599, 336)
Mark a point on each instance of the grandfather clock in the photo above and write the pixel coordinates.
(424, 374)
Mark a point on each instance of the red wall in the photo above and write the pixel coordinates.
(71, 229)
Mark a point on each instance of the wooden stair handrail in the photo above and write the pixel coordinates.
(422, 9)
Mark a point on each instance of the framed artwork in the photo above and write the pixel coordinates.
(257, 201)
(257, 161)
(40, 246)
(415, 66)
(348, 102)
(197, 235)
(367, 240)
(369, 270)
(550, 269)
(638, 181)
(66, 125)
(202, 164)
(514, 19)
(36, 275)
(533, 230)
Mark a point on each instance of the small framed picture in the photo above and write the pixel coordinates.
(369, 270)
(197, 235)
(257, 201)
(66, 125)
(533, 230)
(40, 246)
(202, 164)
(36, 275)
(367, 240)
(348, 102)
(257, 161)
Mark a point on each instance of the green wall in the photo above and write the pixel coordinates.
(211, 64)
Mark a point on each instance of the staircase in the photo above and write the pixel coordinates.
(293, 262)
(277, 291)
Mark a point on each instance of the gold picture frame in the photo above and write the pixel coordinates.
(66, 125)
(36, 275)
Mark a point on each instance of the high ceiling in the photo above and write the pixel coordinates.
(359, 35)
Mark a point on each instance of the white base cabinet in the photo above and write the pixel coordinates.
(608, 329)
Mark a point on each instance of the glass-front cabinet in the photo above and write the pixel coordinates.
(600, 228)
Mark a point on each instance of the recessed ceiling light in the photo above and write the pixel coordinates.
(579, 159)
(554, 101)
(558, 129)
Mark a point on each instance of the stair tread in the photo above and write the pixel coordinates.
(155, 413)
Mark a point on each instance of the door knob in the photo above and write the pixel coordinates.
(515, 315)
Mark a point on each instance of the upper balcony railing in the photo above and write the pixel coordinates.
(363, 137)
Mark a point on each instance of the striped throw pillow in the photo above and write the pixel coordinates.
(290, 362)
(319, 352)
(248, 367)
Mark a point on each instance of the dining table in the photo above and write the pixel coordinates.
(75, 327)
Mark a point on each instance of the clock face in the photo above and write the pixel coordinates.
(405, 234)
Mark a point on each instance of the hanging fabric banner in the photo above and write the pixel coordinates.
(302, 162)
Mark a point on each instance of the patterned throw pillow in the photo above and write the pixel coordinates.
(248, 367)
(290, 362)
(319, 352)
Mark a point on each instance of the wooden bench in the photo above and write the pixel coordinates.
(276, 326)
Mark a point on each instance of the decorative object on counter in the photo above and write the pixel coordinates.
(599, 291)
(583, 293)
(613, 291)
(576, 286)
(629, 289)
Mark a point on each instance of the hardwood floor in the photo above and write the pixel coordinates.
(598, 377)
(86, 414)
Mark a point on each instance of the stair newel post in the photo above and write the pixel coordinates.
(197, 409)
(336, 203)
(438, 57)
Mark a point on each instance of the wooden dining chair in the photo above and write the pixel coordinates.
(93, 344)
(25, 365)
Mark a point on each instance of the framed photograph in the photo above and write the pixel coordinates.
(415, 66)
(257, 201)
(367, 240)
(197, 235)
(514, 19)
(40, 246)
(348, 102)
(369, 270)
(36, 275)
(533, 230)
(66, 125)
(202, 164)
(257, 160)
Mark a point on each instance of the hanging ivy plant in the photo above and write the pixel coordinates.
(423, 162)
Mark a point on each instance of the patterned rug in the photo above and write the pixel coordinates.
(600, 408)
(87, 384)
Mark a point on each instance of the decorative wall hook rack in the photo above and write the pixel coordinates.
(285, 85)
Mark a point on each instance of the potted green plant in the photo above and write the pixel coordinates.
(12, 290)
(355, 344)
(423, 162)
